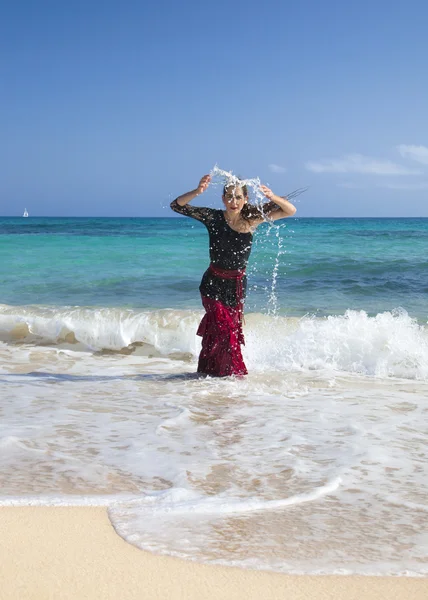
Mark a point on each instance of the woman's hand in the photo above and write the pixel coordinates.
(186, 198)
(267, 192)
(284, 207)
(203, 184)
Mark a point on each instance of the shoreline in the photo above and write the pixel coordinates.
(74, 552)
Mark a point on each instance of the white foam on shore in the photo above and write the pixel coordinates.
(182, 501)
(390, 344)
(314, 463)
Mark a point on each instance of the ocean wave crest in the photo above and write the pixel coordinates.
(390, 344)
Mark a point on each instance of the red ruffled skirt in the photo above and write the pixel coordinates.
(221, 331)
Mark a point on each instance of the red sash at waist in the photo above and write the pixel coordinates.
(237, 274)
(227, 273)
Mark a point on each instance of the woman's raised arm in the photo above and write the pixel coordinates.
(283, 208)
(186, 198)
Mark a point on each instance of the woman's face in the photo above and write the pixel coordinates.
(234, 199)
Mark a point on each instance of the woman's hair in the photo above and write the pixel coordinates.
(250, 211)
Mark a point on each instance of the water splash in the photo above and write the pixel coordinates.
(273, 304)
(221, 177)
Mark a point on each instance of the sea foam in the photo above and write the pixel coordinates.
(390, 344)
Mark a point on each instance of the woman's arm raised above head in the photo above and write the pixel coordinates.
(283, 209)
(278, 207)
(180, 204)
(188, 196)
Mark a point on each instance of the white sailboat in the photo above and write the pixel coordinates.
(25, 213)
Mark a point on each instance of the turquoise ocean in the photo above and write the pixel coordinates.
(316, 462)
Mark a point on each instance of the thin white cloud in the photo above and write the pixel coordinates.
(277, 169)
(418, 153)
(350, 185)
(357, 163)
(411, 187)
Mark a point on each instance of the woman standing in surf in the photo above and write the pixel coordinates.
(224, 283)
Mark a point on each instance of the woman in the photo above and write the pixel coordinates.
(223, 284)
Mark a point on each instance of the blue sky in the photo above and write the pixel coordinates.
(114, 108)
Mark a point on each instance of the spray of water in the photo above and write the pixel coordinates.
(221, 177)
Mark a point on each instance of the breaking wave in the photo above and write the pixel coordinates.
(390, 344)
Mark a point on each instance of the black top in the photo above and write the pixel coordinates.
(229, 249)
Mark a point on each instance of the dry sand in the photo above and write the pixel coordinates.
(56, 553)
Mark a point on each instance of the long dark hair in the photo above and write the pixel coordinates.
(250, 211)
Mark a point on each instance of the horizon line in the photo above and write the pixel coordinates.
(183, 217)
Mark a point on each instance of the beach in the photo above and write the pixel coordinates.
(74, 553)
(312, 465)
